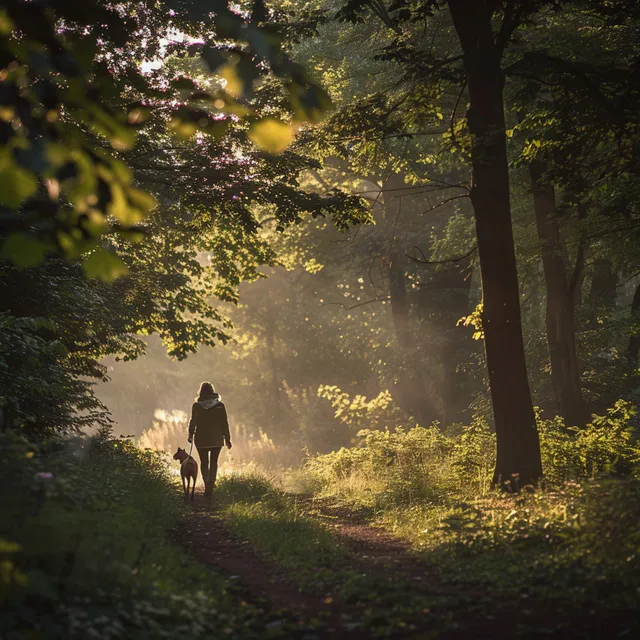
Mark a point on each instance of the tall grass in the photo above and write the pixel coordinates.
(257, 510)
(169, 431)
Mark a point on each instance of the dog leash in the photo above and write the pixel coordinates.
(190, 450)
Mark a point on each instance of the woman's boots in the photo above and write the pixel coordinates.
(208, 486)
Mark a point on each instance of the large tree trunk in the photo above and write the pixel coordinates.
(560, 323)
(518, 447)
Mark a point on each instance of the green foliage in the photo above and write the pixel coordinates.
(606, 446)
(86, 551)
(357, 412)
(40, 389)
(287, 530)
(566, 544)
(407, 467)
(73, 104)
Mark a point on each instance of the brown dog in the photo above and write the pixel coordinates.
(188, 471)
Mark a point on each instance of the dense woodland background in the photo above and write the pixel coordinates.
(401, 238)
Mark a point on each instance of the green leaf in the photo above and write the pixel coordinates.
(23, 250)
(104, 265)
(18, 184)
(127, 212)
(6, 546)
(272, 135)
(6, 25)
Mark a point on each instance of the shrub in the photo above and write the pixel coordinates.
(406, 466)
(606, 446)
(85, 547)
(426, 466)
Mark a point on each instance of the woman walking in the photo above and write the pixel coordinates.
(210, 425)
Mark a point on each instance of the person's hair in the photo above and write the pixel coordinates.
(206, 389)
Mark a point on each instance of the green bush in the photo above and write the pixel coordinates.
(86, 551)
(574, 540)
(606, 446)
(405, 466)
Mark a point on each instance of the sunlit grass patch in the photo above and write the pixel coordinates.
(283, 529)
(248, 486)
(571, 544)
(277, 525)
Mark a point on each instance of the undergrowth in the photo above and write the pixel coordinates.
(573, 542)
(86, 551)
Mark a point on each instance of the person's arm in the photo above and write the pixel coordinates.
(225, 427)
(192, 423)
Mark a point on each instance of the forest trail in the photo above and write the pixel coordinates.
(385, 560)
(370, 547)
(208, 539)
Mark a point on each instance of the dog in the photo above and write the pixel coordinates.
(188, 471)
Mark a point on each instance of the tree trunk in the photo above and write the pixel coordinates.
(602, 294)
(634, 339)
(560, 323)
(518, 448)
(413, 391)
(445, 298)
(577, 277)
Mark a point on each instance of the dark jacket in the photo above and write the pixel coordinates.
(209, 422)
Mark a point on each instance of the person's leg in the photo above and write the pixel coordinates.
(213, 469)
(204, 465)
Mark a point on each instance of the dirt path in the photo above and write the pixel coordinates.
(374, 555)
(370, 547)
(209, 541)
(399, 584)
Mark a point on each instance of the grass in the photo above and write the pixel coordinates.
(86, 550)
(561, 563)
(563, 559)
(567, 553)
(86, 539)
(278, 527)
(281, 528)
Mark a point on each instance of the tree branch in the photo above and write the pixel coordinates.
(424, 259)
(441, 204)
(355, 306)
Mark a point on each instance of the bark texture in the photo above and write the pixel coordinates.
(603, 292)
(518, 448)
(560, 323)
